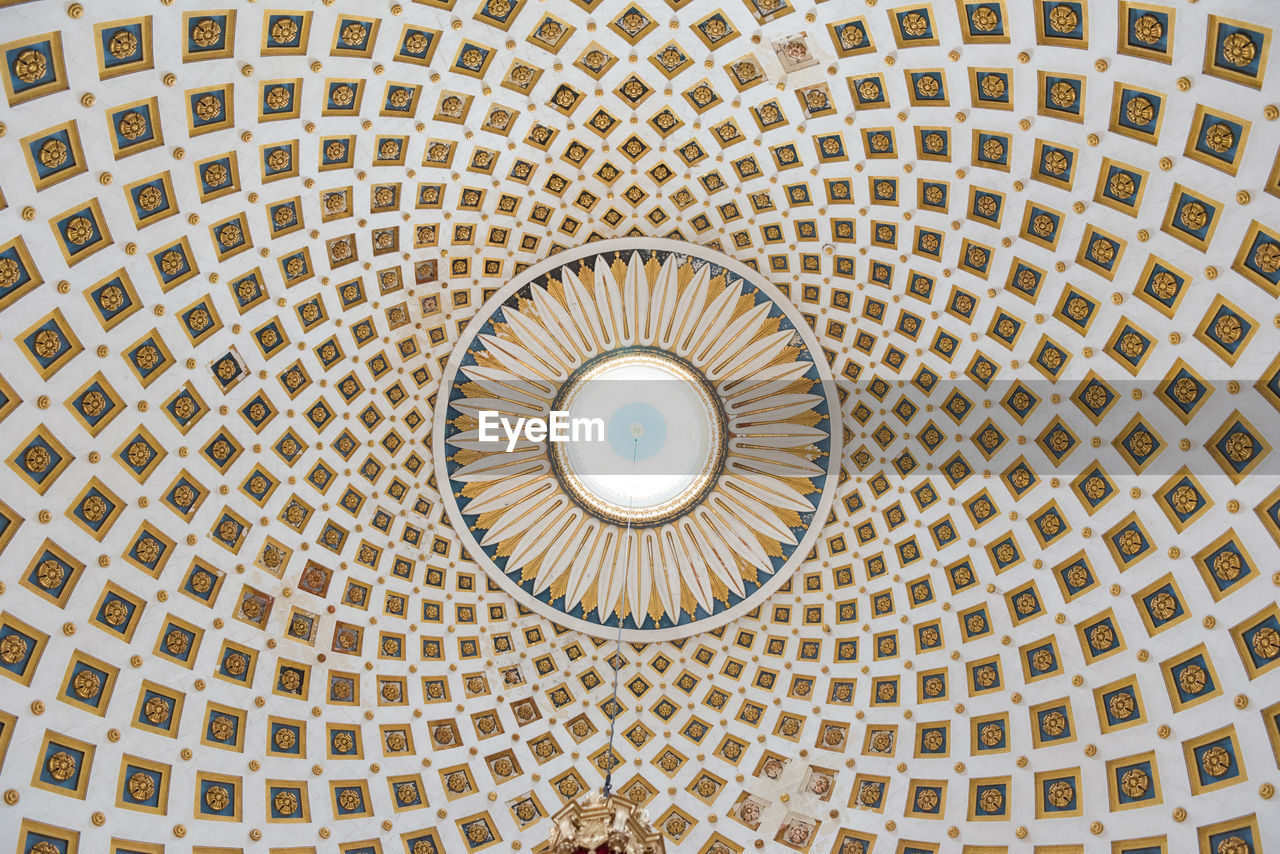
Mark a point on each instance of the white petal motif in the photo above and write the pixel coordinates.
(755, 357)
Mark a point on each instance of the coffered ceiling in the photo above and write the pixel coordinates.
(1038, 244)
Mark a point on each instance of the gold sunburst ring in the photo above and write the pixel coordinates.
(694, 498)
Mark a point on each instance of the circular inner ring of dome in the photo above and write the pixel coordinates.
(664, 436)
(704, 373)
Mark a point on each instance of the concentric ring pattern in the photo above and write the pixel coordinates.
(1038, 244)
(739, 536)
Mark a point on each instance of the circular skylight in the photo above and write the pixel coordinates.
(659, 442)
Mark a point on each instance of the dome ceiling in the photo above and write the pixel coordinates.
(1037, 245)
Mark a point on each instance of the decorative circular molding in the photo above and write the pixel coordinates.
(692, 501)
(660, 411)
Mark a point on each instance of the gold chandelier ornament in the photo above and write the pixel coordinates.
(603, 824)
